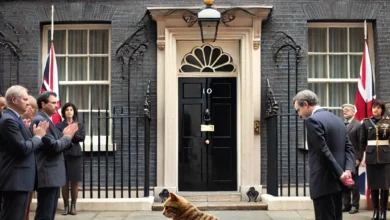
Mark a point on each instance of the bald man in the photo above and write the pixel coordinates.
(3, 104)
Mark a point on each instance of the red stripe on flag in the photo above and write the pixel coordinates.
(50, 80)
(365, 91)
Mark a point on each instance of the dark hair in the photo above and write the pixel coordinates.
(63, 109)
(378, 102)
(44, 97)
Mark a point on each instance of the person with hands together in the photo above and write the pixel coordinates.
(374, 140)
(18, 162)
(331, 156)
(353, 130)
(73, 157)
(50, 157)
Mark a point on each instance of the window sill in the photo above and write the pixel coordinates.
(94, 147)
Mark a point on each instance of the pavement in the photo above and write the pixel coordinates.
(222, 215)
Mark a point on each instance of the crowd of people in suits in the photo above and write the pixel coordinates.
(337, 149)
(37, 155)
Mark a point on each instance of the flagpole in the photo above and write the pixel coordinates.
(365, 41)
(365, 30)
(52, 22)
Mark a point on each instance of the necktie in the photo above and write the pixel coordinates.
(346, 123)
(21, 120)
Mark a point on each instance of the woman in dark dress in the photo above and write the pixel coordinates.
(73, 157)
(374, 138)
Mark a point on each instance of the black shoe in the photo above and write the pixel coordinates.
(375, 215)
(382, 215)
(353, 210)
(346, 208)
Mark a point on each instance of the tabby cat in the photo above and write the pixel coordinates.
(179, 208)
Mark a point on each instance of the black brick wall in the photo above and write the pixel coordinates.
(290, 16)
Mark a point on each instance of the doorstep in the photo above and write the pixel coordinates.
(212, 206)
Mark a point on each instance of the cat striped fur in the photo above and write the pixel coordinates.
(178, 208)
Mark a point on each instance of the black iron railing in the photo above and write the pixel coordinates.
(120, 163)
(286, 137)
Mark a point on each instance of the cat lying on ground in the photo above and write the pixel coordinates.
(179, 208)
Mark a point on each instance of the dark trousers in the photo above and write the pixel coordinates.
(14, 205)
(352, 190)
(1, 203)
(328, 207)
(47, 203)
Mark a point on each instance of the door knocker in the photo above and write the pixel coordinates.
(206, 115)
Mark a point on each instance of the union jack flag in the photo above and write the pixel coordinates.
(50, 80)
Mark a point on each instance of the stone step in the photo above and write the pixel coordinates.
(212, 206)
(211, 196)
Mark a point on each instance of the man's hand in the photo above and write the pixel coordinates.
(346, 178)
(27, 123)
(41, 129)
(70, 130)
(349, 174)
(357, 162)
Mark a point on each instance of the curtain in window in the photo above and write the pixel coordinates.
(86, 58)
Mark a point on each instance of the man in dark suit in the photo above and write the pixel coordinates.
(353, 130)
(50, 157)
(331, 156)
(17, 159)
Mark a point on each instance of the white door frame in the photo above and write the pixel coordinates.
(248, 98)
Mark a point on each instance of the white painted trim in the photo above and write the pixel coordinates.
(247, 30)
(247, 157)
(87, 27)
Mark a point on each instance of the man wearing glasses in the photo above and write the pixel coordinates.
(353, 129)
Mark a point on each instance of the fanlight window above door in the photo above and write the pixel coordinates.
(207, 58)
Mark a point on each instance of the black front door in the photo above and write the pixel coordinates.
(207, 156)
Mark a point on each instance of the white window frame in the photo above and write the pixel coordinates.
(45, 50)
(370, 42)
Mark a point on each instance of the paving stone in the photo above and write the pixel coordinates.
(111, 216)
(222, 215)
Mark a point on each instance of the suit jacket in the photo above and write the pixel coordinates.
(353, 130)
(330, 153)
(79, 136)
(17, 159)
(50, 157)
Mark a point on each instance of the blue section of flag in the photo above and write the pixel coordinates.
(361, 183)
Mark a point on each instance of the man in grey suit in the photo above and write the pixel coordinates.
(331, 156)
(50, 157)
(17, 159)
(353, 130)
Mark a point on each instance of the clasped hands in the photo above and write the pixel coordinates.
(346, 178)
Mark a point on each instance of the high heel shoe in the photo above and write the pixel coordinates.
(73, 209)
(66, 208)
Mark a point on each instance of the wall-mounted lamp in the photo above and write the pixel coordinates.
(208, 20)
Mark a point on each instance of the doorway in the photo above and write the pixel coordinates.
(207, 134)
